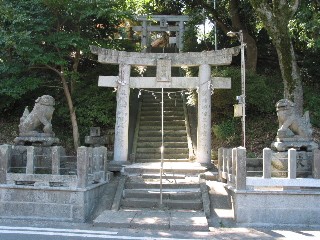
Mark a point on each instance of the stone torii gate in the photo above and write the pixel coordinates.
(163, 26)
(163, 79)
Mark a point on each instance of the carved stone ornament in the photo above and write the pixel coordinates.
(294, 131)
(35, 126)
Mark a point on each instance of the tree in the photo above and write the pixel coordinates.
(229, 15)
(52, 37)
(275, 16)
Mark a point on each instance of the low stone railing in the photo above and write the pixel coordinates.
(232, 167)
(91, 168)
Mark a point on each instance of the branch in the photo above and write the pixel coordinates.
(295, 6)
(212, 14)
(264, 9)
(46, 66)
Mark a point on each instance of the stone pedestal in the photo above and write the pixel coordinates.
(36, 139)
(36, 159)
(300, 144)
(303, 164)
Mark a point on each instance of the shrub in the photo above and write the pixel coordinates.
(225, 130)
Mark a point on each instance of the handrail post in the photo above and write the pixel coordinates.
(267, 157)
(82, 167)
(5, 156)
(241, 171)
(220, 162)
(292, 163)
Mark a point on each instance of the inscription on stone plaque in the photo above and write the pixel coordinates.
(163, 70)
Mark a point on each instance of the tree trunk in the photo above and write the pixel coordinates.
(73, 117)
(275, 16)
(251, 50)
(290, 75)
(237, 25)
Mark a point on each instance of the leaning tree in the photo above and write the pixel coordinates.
(275, 16)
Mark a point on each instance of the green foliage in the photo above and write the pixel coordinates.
(312, 104)
(305, 27)
(225, 130)
(262, 93)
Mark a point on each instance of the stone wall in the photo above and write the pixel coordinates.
(265, 208)
(45, 203)
(53, 196)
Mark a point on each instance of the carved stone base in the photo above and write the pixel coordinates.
(284, 144)
(41, 139)
(280, 164)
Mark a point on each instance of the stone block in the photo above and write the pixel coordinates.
(274, 207)
(316, 164)
(5, 156)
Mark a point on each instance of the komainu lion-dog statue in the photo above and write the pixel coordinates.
(290, 123)
(41, 115)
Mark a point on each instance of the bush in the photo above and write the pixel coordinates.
(312, 103)
(225, 130)
(262, 93)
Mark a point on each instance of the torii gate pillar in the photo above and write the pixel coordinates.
(121, 137)
(204, 116)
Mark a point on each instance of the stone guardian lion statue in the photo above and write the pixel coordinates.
(290, 123)
(41, 115)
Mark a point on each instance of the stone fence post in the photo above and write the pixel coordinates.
(30, 160)
(267, 157)
(292, 163)
(99, 154)
(229, 165)
(82, 166)
(224, 163)
(56, 156)
(316, 164)
(5, 155)
(234, 164)
(241, 171)
(220, 162)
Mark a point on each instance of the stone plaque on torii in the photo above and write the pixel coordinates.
(164, 61)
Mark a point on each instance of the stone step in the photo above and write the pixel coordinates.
(155, 184)
(159, 118)
(173, 194)
(158, 128)
(167, 176)
(185, 167)
(157, 122)
(158, 108)
(166, 160)
(158, 98)
(165, 105)
(167, 145)
(153, 138)
(158, 156)
(167, 150)
(165, 113)
(194, 204)
(166, 133)
(173, 220)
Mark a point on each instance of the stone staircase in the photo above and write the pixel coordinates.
(185, 203)
(147, 142)
(178, 192)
